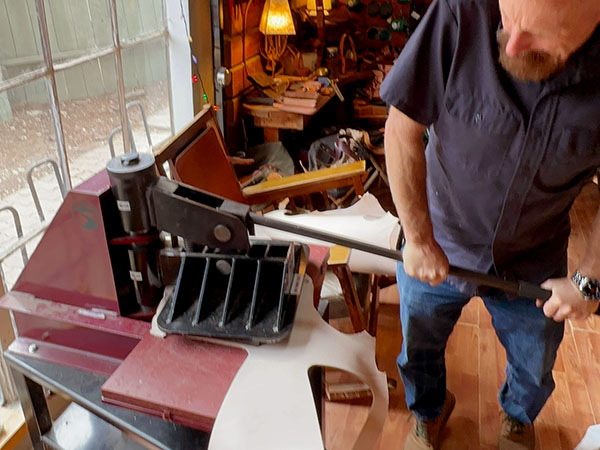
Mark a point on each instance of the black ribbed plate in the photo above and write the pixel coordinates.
(246, 297)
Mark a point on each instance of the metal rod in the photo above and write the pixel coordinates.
(18, 229)
(111, 136)
(141, 108)
(83, 59)
(21, 80)
(241, 256)
(34, 406)
(178, 283)
(217, 38)
(53, 93)
(33, 190)
(168, 62)
(6, 252)
(518, 288)
(279, 319)
(228, 294)
(3, 279)
(252, 313)
(112, 4)
(143, 39)
(202, 291)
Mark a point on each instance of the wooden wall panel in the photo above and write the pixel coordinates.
(19, 19)
(232, 47)
(239, 82)
(7, 46)
(233, 118)
(233, 24)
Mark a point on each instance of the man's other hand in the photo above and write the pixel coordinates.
(426, 262)
(566, 301)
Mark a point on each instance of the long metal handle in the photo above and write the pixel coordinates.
(517, 288)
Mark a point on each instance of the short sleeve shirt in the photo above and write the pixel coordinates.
(505, 159)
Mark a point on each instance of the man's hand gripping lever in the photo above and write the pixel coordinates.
(425, 261)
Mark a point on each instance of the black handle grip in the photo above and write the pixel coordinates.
(531, 290)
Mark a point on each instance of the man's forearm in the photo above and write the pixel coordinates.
(405, 162)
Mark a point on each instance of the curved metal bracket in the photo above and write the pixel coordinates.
(33, 190)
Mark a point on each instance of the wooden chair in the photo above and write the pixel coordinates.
(198, 156)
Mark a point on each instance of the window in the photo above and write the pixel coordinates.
(73, 75)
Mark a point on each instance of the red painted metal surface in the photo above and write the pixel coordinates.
(76, 337)
(66, 356)
(176, 378)
(72, 264)
(95, 185)
(60, 312)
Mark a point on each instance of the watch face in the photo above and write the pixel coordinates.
(590, 290)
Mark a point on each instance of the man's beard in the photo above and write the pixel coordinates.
(528, 66)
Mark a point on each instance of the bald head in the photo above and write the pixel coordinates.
(547, 29)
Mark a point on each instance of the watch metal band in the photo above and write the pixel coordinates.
(589, 287)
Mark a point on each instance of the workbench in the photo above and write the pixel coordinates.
(273, 119)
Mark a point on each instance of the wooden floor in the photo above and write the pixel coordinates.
(475, 363)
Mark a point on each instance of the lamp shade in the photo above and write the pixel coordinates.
(277, 18)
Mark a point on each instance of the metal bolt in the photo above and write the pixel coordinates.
(130, 158)
(223, 77)
(222, 233)
(223, 266)
(33, 348)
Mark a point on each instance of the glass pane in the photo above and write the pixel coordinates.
(89, 107)
(146, 85)
(77, 27)
(20, 47)
(27, 136)
(139, 17)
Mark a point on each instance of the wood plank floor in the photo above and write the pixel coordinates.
(475, 364)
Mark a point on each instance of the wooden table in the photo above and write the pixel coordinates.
(273, 119)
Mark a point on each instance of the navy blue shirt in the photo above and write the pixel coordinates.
(505, 159)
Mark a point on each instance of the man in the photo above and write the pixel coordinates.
(510, 93)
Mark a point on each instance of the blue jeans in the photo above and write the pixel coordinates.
(428, 316)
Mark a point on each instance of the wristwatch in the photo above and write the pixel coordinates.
(589, 288)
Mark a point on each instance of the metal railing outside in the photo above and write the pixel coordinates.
(129, 130)
(23, 239)
(33, 190)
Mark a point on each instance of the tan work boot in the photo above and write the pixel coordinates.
(515, 435)
(425, 435)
